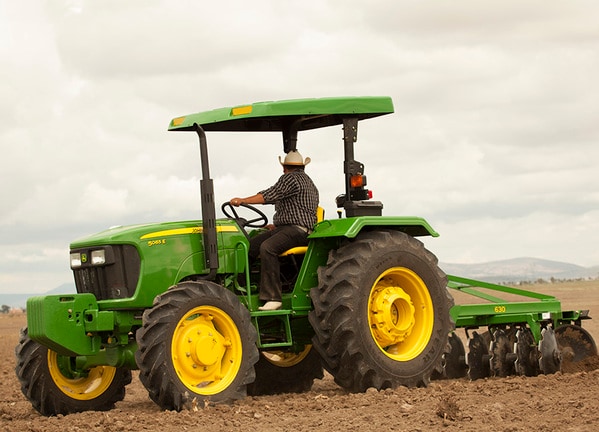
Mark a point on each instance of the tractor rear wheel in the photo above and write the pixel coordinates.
(381, 312)
(286, 372)
(197, 345)
(54, 386)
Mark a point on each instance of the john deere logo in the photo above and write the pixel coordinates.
(83, 258)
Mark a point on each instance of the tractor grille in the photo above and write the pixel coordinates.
(117, 278)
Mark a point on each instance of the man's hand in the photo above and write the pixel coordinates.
(254, 199)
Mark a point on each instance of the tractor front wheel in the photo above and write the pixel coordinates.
(54, 386)
(381, 312)
(197, 345)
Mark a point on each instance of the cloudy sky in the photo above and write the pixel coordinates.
(494, 140)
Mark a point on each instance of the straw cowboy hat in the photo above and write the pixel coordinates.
(294, 158)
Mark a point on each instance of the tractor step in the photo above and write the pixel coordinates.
(273, 327)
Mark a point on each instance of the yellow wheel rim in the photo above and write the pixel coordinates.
(206, 350)
(94, 384)
(286, 358)
(400, 314)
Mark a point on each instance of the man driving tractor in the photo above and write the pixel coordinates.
(296, 200)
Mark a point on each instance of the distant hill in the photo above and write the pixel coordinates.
(20, 300)
(506, 271)
(521, 269)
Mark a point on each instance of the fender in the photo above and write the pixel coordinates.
(351, 227)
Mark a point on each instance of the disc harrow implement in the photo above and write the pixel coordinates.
(527, 353)
(576, 346)
(511, 331)
(503, 357)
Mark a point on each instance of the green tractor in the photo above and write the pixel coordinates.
(179, 300)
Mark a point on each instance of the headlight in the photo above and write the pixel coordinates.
(75, 260)
(98, 257)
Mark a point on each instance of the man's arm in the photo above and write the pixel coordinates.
(254, 199)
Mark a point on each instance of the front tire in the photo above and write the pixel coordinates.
(197, 344)
(381, 312)
(53, 386)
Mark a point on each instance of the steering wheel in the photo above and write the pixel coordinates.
(257, 222)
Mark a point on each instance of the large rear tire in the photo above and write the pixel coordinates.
(197, 345)
(54, 386)
(381, 312)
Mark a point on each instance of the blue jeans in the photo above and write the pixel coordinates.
(268, 246)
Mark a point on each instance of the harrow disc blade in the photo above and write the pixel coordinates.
(454, 361)
(502, 353)
(551, 358)
(527, 354)
(576, 346)
(478, 356)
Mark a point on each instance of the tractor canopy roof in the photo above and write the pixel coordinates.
(297, 114)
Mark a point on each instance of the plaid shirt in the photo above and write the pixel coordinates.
(295, 198)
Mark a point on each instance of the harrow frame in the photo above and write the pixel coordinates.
(535, 309)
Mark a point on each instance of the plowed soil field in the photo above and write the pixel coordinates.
(562, 401)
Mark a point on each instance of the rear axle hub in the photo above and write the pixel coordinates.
(392, 313)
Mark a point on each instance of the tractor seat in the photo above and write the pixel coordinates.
(301, 250)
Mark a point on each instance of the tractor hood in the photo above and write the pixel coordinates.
(133, 234)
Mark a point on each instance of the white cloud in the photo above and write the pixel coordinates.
(537, 234)
(494, 139)
(33, 267)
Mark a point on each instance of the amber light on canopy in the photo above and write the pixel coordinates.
(356, 181)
